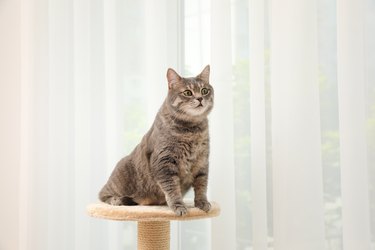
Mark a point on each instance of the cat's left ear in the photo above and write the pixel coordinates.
(172, 77)
(205, 74)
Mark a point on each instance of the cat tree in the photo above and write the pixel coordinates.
(153, 221)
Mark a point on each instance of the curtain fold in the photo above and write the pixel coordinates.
(353, 155)
(82, 114)
(222, 185)
(296, 155)
(35, 119)
(257, 73)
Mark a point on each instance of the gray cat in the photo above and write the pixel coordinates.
(173, 155)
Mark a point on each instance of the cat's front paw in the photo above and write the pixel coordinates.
(203, 205)
(179, 209)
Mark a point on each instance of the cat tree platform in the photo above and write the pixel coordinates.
(153, 221)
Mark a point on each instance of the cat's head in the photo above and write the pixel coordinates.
(190, 97)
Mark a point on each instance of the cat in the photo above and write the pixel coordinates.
(173, 155)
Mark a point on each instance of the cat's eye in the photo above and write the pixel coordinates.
(188, 93)
(204, 91)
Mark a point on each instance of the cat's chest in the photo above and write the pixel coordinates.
(192, 156)
(191, 150)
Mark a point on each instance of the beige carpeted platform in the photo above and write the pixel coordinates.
(148, 213)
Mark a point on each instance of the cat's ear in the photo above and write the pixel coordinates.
(172, 77)
(205, 74)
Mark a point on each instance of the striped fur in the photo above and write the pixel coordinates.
(173, 155)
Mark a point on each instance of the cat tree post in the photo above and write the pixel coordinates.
(153, 221)
(153, 235)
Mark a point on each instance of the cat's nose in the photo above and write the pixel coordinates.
(200, 99)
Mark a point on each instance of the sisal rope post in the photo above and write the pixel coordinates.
(153, 235)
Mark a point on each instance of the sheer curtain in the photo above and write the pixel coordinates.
(292, 131)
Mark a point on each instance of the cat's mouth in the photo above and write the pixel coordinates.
(200, 105)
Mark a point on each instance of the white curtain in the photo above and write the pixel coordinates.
(292, 132)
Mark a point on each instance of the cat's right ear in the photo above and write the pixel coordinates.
(172, 77)
(205, 74)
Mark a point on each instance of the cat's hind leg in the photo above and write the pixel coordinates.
(119, 201)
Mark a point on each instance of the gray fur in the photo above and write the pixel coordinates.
(173, 155)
